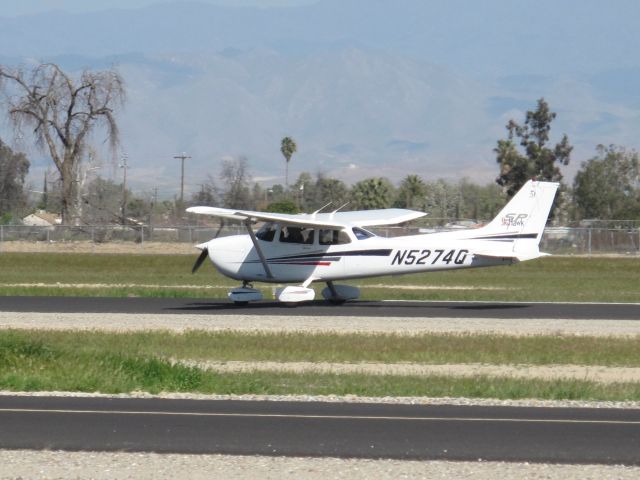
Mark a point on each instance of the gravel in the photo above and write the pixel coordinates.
(314, 324)
(488, 402)
(22, 464)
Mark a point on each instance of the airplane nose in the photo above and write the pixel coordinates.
(228, 253)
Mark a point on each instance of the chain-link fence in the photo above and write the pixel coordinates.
(558, 240)
(113, 233)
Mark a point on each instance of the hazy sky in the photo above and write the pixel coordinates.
(12, 8)
(392, 86)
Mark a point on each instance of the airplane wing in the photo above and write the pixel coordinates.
(362, 218)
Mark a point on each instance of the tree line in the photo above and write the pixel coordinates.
(64, 114)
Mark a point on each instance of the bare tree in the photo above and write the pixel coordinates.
(236, 178)
(63, 111)
(208, 193)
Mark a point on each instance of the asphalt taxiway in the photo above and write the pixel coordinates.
(498, 310)
(556, 435)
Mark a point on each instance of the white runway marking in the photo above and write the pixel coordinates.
(330, 417)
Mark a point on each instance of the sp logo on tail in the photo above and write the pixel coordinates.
(514, 219)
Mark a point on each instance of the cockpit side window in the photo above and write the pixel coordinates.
(334, 237)
(295, 234)
(267, 233)
(362, 234)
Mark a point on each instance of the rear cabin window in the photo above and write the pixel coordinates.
(267, 232)
(291, 234)
(334, 237)
(362, 234)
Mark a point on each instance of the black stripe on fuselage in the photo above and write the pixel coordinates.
(507, 236)
(382, 252)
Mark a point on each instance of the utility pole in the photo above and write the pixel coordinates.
(45, 194)
(182, 157)
(154, 202)
(125, 167)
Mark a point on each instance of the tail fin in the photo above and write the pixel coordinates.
(523, 219)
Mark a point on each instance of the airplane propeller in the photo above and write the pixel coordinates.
(205, 251)
(201, 258)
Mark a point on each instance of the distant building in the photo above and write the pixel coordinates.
(40, 218)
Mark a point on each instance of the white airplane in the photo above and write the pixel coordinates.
(326, 247)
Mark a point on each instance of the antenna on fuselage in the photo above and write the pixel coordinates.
(340, 208)
(321, 208)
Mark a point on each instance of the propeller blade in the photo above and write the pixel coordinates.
(201, 258)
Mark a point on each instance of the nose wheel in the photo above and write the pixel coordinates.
(244, 294)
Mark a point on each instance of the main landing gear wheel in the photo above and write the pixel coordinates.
(338, 294)
(336, 301)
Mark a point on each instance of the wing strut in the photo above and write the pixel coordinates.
(267, 270)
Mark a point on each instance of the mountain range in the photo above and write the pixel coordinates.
(364, 87)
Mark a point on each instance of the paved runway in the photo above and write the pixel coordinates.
(359, 308)
(322, 429)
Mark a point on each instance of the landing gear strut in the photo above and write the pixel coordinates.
(334, 299)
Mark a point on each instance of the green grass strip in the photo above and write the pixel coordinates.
(434, 348)
(547, 279)
(32, 363)
(126, 373)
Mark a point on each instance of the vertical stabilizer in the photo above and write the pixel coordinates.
(523, 219)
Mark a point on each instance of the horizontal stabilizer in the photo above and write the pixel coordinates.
(516, 256)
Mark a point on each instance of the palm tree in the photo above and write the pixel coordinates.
(288, 147)
(412, 190)
(372, 193)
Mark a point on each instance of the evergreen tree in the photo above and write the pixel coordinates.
(536, 160)
(608, 185)
(13, 171)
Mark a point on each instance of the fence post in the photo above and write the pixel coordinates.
(141, 235)
(589, 242)
(1, 236)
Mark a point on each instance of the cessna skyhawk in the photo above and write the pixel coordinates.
(327, 247)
